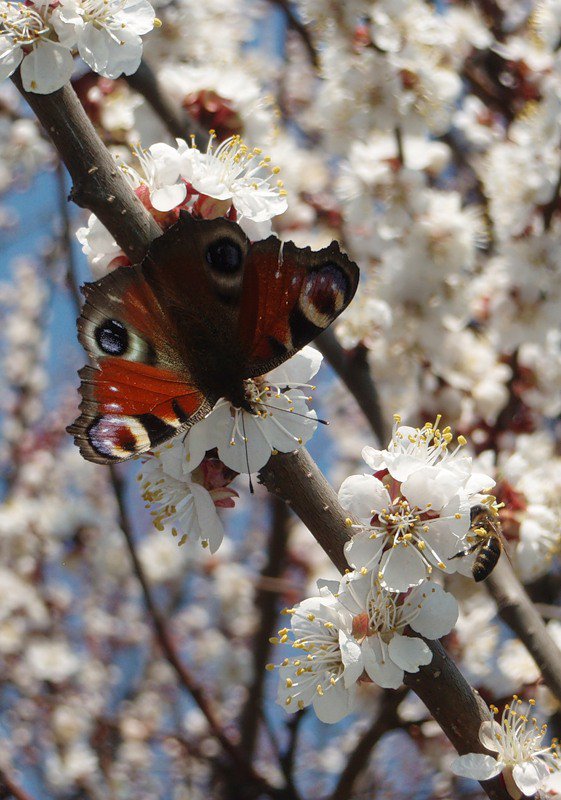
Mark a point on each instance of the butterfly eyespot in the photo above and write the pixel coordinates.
(225, 256)
(112, 337)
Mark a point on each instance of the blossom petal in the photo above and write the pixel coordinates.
(488, 733)
(529, 775)
(209, 523)
(335, 703)
(477, 766)
(478, 482)
(401, 568)
(431, 485)
(10, 58)
(139, 16)
(382, 671)
(256, 451)
(351, 655)
(438, 610)
(363, 551)
(167, 197)
(363, 494)
(374, 458)
(92, 46)
(299, 369)
(408, 652)
(47, 68)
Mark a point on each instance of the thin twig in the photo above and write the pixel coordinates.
(353, 369)
(266, 608)
(386, 720)
(299, 28)
(517, 610)
(167, 645)
(177, 121)
(9, 789)
(399, 144)
(548, 611)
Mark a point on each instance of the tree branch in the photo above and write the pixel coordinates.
(353, 369)
(266, 608)
(97, 182)
(299, 28)
(517, 610)
(9, 789)
(386, 720)
(177, 121)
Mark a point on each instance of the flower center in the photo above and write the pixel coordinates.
(400, 520)
(102, 11)
(258, 393)
(23, 25)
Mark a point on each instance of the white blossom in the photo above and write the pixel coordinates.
(161, 173)
(414, 513)
(183, 498)
(105, 32)
(521, 756)
(25, 32)
(320, 628)
(378, 642)
(279, 421)
(235, 176)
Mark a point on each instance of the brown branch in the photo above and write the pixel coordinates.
(168, 648)
(177, 121)
(517, 610)
(266, 607)
(97, 182)
(295, 24)
(353, 369)
(9, 789)
(386, 720)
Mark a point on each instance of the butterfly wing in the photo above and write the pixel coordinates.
(289, 296)
(139, 392)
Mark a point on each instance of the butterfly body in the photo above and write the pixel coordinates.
(204, 311)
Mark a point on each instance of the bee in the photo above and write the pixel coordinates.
(486, 528)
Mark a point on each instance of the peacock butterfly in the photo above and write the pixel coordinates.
(203, 311)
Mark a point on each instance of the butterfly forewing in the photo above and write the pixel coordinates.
(290, 295)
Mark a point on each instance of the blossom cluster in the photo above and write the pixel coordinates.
(42, 37)
(413, 518)
(229, 180)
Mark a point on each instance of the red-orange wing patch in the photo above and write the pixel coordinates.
(290, 295)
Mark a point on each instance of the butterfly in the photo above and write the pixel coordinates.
(204, 311)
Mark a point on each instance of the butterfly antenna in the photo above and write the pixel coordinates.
(296, 414)
(251, 490)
